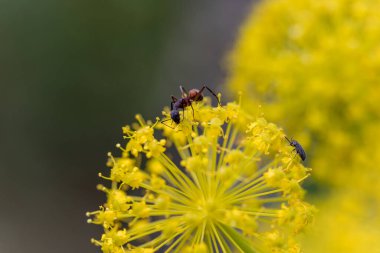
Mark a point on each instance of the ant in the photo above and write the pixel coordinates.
(297, 147)
(194, 95)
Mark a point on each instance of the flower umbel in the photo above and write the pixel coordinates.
(236, 187)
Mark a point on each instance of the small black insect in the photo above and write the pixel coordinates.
(186, 100)
(297, 147)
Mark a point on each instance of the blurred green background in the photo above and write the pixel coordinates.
(72, 73)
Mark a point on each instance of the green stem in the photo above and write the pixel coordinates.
(236, 238)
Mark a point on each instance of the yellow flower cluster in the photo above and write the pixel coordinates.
(221, 181)
(315, 68)
(315, 65)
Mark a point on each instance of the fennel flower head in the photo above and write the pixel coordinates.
(219, 181)
(316, 71)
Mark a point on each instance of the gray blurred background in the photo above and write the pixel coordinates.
(72, 73)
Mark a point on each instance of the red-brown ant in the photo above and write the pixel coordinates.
(186, 100)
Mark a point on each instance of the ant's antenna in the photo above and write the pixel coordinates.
(163, 122)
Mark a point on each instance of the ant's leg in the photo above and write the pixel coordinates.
(183, 91)
(183, 107)
(174, 99)
(213, 94)
(295, 154)
(192, 109)
(163, 122)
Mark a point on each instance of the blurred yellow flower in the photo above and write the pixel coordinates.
(315, 65)
(348, 221)
(235, 188)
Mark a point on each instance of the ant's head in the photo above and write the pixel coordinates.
(175, 116)
(193, 93)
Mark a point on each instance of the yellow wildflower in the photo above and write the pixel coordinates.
(233, 186)
(315, 66)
